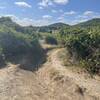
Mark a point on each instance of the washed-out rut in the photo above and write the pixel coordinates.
(50, 82)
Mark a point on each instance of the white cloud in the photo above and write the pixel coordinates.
(29, 21)
(47, 17)
(61, 1)
(60, 18)
(37, 22)
(76, 21)
(57, 11)
(41, 8)
(23, 4)
(88, 13)
(2, 7)
(70, 13)
(46, 3)
(78, 18)
(54, 11)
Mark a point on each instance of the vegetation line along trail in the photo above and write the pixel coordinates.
(51, 82)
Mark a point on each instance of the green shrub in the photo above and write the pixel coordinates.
(15, 46)
(51, 40)
(85, 48)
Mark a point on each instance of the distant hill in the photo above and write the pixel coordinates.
(53, 27)
(58, 25)
(7, 21)
(90, 23)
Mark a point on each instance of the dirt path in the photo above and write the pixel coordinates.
(90, 85)
(51, 82)
(65, 84)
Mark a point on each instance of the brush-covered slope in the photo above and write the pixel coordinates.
(90, 23)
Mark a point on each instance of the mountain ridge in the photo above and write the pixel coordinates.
(8, 19)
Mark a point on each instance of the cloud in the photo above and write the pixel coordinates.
(78, 18)
(40, 7)
(70, 13)
(2, 7)
(46, 3)
(60, 11)
(61, 1)
(23, 4)
(57, 11)
(88, 13)
(60, 18)
(46, 16)
(48, 19)
(29, 21)
(54, 11)
(37, 22)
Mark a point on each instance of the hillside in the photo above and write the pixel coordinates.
(52, 27)
(90, 23)
(6, 21)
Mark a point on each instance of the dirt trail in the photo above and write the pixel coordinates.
(51, 82)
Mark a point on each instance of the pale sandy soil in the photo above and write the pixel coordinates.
(52, 81)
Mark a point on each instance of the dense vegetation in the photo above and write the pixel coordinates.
(82, 42)
(90, 23)
(17, 46)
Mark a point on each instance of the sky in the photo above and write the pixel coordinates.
(45, 12)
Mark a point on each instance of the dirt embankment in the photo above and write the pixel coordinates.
(50, 82)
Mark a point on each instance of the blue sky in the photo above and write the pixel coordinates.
(44, 12)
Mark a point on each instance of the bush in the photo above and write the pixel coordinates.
(15, 46)
(85, 48)
(51, 40)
